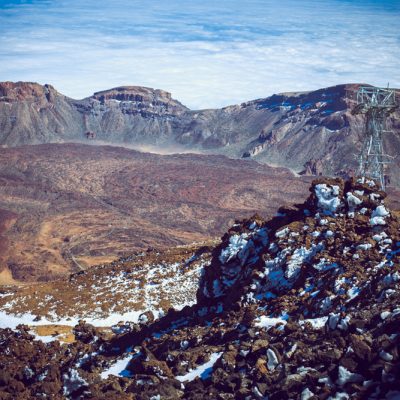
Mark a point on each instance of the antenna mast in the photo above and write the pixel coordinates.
(377, 104)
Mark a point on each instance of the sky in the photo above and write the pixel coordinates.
(207, 53)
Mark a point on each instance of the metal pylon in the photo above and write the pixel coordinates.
(377, 104)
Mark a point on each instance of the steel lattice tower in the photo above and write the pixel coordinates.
(376, 104)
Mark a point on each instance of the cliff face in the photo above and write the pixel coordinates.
(24, 91)
(310, 132)
(155, 101)
(315, 133)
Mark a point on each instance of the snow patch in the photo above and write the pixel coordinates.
(118, 368)
(352, 201)
(328, 197)
(203, 371)
(272, 361)
(317, 323)
(345, 376)
(236, 244)
(268, 322)
(282, 233)
(306, 394)
(378, 216)
(72, 382)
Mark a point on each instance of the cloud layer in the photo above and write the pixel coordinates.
(207, 53)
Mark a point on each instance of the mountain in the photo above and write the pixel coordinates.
(309, 132)
(65, 207)
(32, 114)
(300, 306)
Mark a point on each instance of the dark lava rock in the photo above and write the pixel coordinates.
(299, 307)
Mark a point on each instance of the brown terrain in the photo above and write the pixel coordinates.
(64, 207)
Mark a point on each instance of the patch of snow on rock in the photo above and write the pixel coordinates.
(236, 244)
(385, 356)
(282, 233)
(317, 323)
(345, 376)
(72, 382)
(352, 201)
(201, 371)
(273, 361)
(118, 368)
(268, 322)
(306, 394)
(378, 216)
(328, 197)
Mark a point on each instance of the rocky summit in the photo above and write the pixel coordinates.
(302, 306)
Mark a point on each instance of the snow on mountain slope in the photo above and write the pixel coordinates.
(148, 282)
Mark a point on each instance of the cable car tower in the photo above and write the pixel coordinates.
(377, 104)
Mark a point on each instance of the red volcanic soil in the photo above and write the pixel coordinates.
(69, 206)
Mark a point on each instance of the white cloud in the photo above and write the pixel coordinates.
(206, 54)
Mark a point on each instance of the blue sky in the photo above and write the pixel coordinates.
(207, 53)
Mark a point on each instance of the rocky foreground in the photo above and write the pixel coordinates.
(303, 306)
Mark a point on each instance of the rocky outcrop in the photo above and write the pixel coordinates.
(312, 167)
(144, 99)
(303, 306)
(11, 92)
(32, 114)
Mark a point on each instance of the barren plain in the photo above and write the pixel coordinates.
(64, 207)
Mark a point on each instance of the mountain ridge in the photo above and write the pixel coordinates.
(311, 132)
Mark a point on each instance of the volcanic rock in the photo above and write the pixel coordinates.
(318, 291)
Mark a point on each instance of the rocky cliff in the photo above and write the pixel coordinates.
(311, 132)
